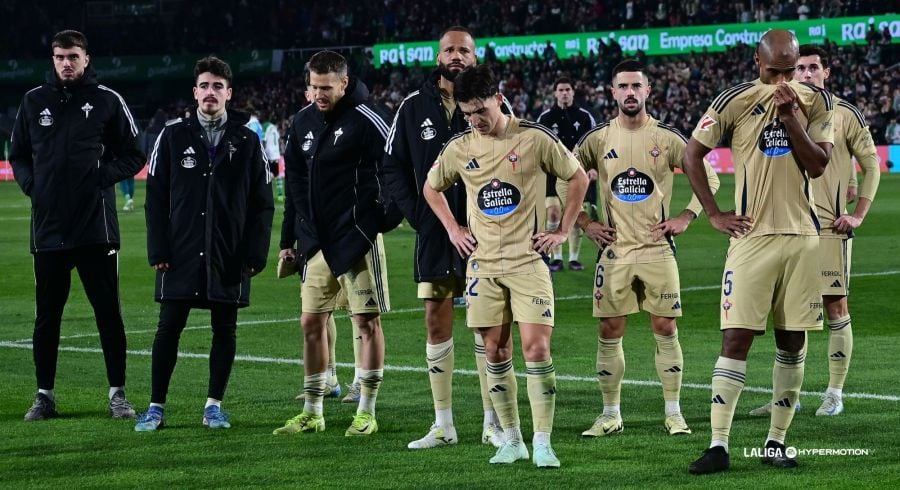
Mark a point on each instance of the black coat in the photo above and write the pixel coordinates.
(333, 166)
(418, 134)
(210, 221)
(569, 125)
(70, 145)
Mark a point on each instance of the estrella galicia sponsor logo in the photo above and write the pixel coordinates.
(632, 186)
(774, 140)
(498, 198)
(188, 162)
(428, 133)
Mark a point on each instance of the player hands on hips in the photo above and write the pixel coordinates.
(502, 161)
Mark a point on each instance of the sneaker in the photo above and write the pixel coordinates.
(575, 265)
(43, 408)
(352, 393)
(129, 205)
(150, 421)
(120, 407)
(766, 409)
(544, 457)
(436, 437)
(776, 455)
(832, 404)
(510, 452)
(215, 418)
(331, 391)
(493, 435)
(605, 425)
(556, 265)
(676, 424)
(305, 422)
(364, 424)
(714, 460)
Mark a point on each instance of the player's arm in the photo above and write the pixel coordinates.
(440, 177)
(725, 221)
(288, 228)
(812, 156)
(399, 169)
(20, 156)
(863, 148)
(560, 162)
(157, 204)
(677, 225)
(260, 210)
(852, 185)
(121, 139)
(600, 233)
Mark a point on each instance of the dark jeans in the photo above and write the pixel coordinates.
(173, 316)
(98, 268)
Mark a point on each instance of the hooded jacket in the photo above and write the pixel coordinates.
(333, 167)
(70, 145)
(209, 218)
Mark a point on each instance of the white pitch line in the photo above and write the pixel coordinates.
(466, 372)
(417, 309)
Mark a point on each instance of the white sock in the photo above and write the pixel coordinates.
(114, 389)
(490, 418)
(557, 255)
(48, 394)
(212, 401)
(573, 257)
(444, 417)
(611, 410)
(672, 407)
(366, 404)
(513, 433)
(779, 441)
(356, 375)
(160, 406)
(836, 391)
(722, 444)
(541, 438)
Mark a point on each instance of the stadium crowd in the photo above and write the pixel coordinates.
(683, 86)
(196, 26)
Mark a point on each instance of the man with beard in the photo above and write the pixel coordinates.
(209, 220)
(424, 122)
(333, 166)
(72, 140)
(636, 156)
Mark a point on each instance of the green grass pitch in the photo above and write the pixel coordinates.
(84, 448)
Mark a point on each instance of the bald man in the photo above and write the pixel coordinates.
(781, 133)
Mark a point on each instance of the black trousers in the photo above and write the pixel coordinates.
(98, 268)
(173, 317)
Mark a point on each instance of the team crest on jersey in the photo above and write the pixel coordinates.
(632, 186)
(188, 162)
(498, 198)
(513, 158)
(654, 152)
(46, 118)
(706, 123)
(428, 133)
(774, 140)
(610, 254)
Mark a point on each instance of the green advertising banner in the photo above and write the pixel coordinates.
(653, 42)
(136, 68)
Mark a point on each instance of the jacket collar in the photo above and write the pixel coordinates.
(356, 94)
(88, 78)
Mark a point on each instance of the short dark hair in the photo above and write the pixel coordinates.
(475, 82)
(561, 80)
(813, 50)
(328, 62)
(457, 29)
(69, 39)
(629, 65)
(213, 65)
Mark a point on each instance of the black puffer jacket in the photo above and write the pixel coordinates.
(70, 145)
(210, 220)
